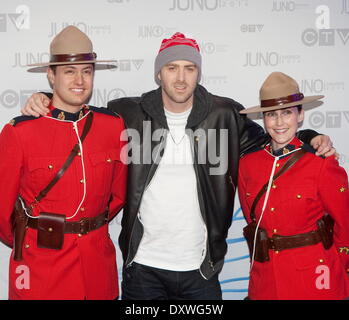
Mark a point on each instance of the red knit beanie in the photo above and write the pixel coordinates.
(178, 47)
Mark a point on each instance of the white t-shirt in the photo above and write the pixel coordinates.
(174, 231)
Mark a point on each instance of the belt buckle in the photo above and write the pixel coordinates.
(84, 225)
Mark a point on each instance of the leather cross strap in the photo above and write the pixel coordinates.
(289, 163)
(67, 163)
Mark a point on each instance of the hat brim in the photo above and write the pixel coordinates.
(305, 100)
(99, 65)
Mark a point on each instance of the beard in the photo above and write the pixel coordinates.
(178, 97)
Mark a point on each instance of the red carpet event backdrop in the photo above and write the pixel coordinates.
(241, 42)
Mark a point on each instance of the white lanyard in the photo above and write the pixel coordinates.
(75, 127)
(265, 202)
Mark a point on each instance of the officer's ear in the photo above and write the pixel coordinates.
(51, 76)
(301, 115)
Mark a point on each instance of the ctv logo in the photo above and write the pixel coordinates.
(20, 19)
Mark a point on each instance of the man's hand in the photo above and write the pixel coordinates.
(323, 146)
(37, 105)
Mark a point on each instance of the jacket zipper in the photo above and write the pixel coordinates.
(147, 182)
(232, 182)
(203, 213)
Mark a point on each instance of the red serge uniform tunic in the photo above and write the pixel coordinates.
(298, 198)
(32, 151)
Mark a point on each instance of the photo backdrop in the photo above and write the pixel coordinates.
(241, 42)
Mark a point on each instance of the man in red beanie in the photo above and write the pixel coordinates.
(180, 194)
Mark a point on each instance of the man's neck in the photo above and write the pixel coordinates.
(177, 107)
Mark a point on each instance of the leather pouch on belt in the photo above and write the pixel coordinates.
(262, 247)
(50, 230)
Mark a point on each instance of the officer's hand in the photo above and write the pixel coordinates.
(323, 146)
(36, 105)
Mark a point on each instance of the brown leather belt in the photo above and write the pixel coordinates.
(259, 243)
(83, 226)
(278, 243)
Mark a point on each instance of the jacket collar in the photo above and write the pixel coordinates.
(65, 115)
(286, 150)
(152, 104)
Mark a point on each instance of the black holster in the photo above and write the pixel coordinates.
(262, 246)
(325, 229)
(19, 222)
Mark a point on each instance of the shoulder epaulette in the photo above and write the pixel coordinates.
(20, 119)
(104, 111)
(309, 148)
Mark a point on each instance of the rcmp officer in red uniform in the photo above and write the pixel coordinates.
(297, 252)
(71, 181)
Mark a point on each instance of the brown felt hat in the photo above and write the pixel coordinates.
(71, 46)
(279, 91)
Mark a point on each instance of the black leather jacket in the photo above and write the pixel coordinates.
(215, 191)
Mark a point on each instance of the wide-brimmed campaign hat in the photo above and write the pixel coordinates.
(280, 91)
(72, 46)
